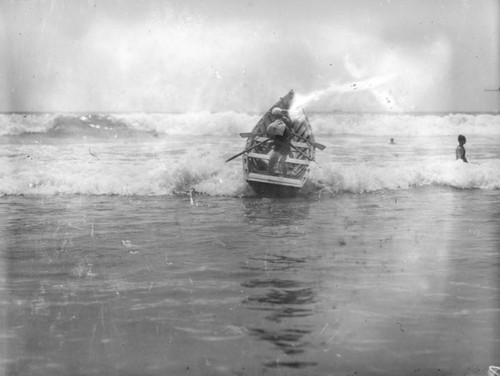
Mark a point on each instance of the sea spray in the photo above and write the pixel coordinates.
(302, 101)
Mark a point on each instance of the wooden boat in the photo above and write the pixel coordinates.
(494, 371)
(255, 160)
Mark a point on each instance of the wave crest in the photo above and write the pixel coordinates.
(207, 173)
(370, 177)
(231, 123)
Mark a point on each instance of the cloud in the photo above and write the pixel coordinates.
(187, 56)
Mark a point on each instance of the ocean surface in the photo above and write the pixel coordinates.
(129, 247)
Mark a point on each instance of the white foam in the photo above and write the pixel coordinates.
(232, 123)
(359, 162)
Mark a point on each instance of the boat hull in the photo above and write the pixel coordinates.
(273, 190)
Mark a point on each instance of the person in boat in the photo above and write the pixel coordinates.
(460, 150)
(280, 132)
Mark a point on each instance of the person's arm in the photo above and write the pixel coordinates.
(288, 123)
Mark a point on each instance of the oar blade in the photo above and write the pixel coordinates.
(318, 145)
(247, 134)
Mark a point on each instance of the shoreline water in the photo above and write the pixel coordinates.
(386, 283)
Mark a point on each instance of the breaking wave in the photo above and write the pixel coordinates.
(231, 123)
(206, 172)
(168, 154)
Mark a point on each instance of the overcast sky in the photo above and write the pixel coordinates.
(218, 55)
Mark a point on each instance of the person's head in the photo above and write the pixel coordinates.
(461, 139)
(276, 111)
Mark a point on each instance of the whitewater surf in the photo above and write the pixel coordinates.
(161, 154)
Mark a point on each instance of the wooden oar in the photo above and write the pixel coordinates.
(315, 144)
(301, 152)
(247, 150)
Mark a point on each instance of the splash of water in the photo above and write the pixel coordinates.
(373, 85)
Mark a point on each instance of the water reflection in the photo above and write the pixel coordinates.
(276, 212)
(280, 292)
(274, 262)
(287, 302)
(283, 302)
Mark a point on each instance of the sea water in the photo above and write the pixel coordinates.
(129, 247)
